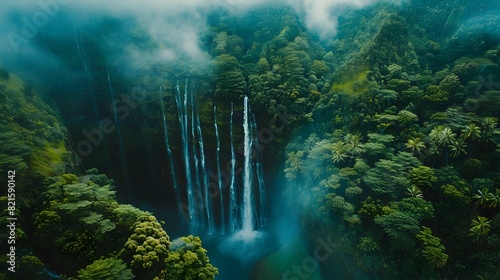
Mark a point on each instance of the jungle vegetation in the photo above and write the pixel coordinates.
(72, 224)
(392, 147)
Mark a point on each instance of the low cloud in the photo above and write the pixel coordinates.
(321, 15)
(175, 25)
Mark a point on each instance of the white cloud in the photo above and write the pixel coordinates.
(175, 24)
(321, 15)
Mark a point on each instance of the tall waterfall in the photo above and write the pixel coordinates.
(260, 175)
(120, 137)
(219, 174)
(205, 199)
(247, 209)
(204, 177)
(198, 197)
(183, 123)
(233, 207)
(195, 162)
(83, 57)
(167, 146)
(246, 240)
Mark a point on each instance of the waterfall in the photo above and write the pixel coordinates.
(247, 241)
(115, 114)
(219, 174)
(120, 138)
(86, 68)
(198, 196)
(82, 58)
(247, 211)
(167, 146)
(260, 175)
(54, 66)
(183, 122)
(233, 210)
(204, 175)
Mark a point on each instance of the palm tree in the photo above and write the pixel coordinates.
(481, 196)
(415, 144)
(493, 199)
(354, 144)
(488, 126)
(434, 137)
(434, 150)
(435, 133)
(446, 137)
(471, 132)
(339, 151)
(414, 191)
(457, 148)
(480, 227)
(309, 143)
(295, 164)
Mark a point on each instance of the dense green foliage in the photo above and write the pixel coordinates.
(401, 162)
(109, 268)
(34, 145)
(32, 136)
(391, 146)
(73, 224)
(79, 226)
(188, 260)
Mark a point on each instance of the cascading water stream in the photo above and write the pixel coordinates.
(247, 243)
(247, 211)
(219, 174)
(112, 94)
(120, 138)
(198, 192)
(167, 146)
(260, 175)
(183, 122)
(53, 64)
(204, 175)
(86, 68)
(233, 210)
(85, 65)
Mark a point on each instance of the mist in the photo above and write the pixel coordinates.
(150, 32)
(176, 26)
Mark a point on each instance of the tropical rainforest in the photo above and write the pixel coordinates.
(231, 140)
